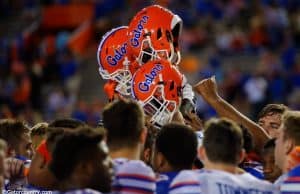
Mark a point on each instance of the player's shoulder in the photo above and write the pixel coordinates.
(137, 167)
(187, 174)
(185, 182)
(134, 176)
(210, 174)
(250, 181)
(119, 161)
(247, 177)
(295, 172)
(291, 182)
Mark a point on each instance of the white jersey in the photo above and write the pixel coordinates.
(291, 183)
(220, 182)
(185, 182)
(280, 180)
(133, 176)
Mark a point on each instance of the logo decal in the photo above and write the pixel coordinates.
(118, 55)
(138, 31)
(144, 86)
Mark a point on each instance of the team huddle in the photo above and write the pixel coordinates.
(150, 139)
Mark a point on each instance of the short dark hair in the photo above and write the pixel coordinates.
(270, 145)
(179, 155)
(151, 136)
(271, 109)
(291, 123)
(52, 135)
(223, 141)
(39, 129)
(12, 130)
(248, 140)
(72, 148)
(124, 122)
(67, 123)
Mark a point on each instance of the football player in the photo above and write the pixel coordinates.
(126, 135)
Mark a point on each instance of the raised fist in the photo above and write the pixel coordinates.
(207, 88)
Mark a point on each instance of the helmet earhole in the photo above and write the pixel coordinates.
(159, 33)
(172, 85)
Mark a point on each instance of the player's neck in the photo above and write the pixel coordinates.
(71, 184)
(128, 153)
(222, 167)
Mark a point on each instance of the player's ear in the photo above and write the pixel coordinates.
(288, 145)
(242, 156)
(11, 152)
(84, 170)
(147, 155)
(201, 153)
(162, 163)
(143, 136)
(178, 117)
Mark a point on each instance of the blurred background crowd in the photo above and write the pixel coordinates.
(48, 48)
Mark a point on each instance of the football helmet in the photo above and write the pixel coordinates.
(157, 87)
(153, 34)
(113, 59)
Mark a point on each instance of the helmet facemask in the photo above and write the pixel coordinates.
(152, 49)
(122, 76)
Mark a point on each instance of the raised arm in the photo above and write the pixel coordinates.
(207, 88)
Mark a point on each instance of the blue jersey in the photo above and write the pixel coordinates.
(254, 168)
(33, 188)
(291, 185)
(163, 182)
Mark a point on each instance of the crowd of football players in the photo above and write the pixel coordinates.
(150, 139)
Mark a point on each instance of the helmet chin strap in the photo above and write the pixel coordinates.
(172, 53)
(160, 78)
(177, 21)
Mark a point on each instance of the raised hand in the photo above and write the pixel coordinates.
(207, 88)
(177, 117)
(14, 168)
(194, 121)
